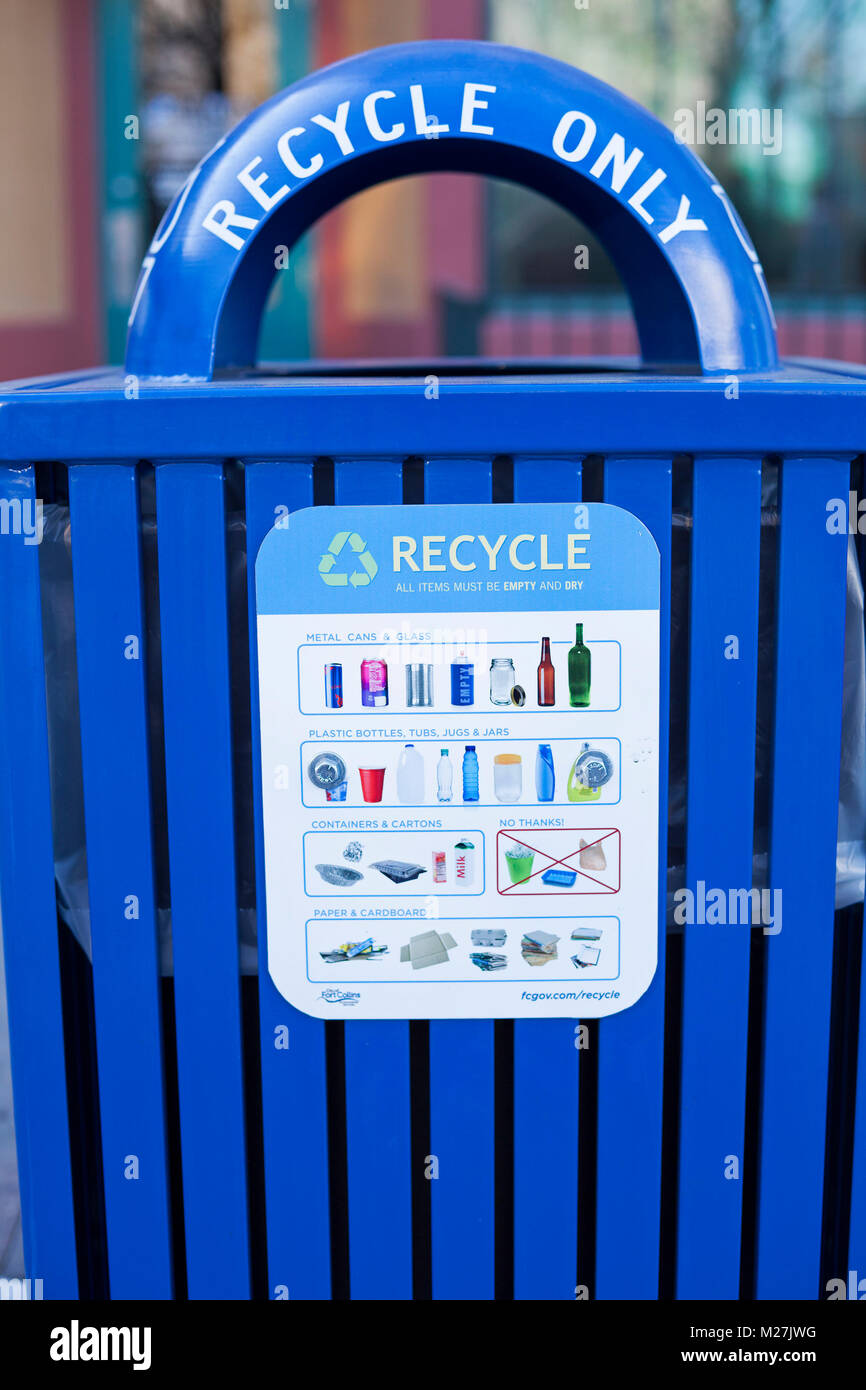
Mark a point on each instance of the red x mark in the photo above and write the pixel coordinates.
(563, 862)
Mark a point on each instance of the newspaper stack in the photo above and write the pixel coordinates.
(538, 947)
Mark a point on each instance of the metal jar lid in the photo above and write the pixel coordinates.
(518, 695)
(326, 770)
(592, 767)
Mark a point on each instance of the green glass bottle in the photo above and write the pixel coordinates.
(579, 665)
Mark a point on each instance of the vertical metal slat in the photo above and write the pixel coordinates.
(378, 1124)
(462, 1110)
(294, 1079)
(806, 751)
(110, 632)
(30, 910)
(546, 1056)
(857, 1220)
(193, 592)
(857, 1215)
(631, 1044)
(721, 766)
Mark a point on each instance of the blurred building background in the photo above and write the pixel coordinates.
(105, 106)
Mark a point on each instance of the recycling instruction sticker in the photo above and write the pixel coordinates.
(459, 736)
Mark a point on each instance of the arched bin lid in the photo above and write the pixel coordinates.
(695, 283)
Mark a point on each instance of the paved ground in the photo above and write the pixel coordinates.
(11, 1252)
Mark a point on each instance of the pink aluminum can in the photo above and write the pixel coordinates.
(374, 683)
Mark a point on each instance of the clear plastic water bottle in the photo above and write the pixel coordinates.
(470, 773)
(444, 776)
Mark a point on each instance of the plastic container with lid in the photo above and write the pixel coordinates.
(508, 776)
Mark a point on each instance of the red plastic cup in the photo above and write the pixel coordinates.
(372, 780)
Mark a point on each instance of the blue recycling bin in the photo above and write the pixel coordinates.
(181, 1128)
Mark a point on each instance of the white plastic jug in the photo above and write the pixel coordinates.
(410, 777)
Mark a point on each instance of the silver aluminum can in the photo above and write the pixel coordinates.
(419, 685)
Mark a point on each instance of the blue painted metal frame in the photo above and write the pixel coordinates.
(462, 1114)
(30, 913)
(110, 631)
(303, 416)
(294, 1081)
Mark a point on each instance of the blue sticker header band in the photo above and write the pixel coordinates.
(484, 557)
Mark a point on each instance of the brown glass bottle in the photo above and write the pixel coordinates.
(546, 675)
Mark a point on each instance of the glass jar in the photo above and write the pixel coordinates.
(501, 680)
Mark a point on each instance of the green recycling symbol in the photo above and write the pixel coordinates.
(358, 554)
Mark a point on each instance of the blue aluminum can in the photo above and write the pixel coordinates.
(334, 686)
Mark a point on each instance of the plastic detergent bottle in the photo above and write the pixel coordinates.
(578, 790)
(444, 776)
(410, 776)
(545, 777)
(470, 773)
(590, 771)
